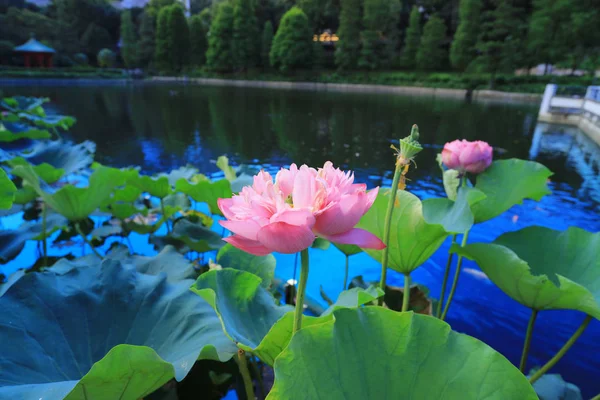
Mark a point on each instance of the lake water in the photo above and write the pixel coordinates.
(161, 127)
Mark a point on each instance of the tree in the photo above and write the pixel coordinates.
(463, 48)
(432, 55)
(500, 40)
(347, 49)
(128, 41)
(549, 31)
(219, 56)
(145, 46)
(292, 45)
(162, 52)
(106, 58)
(154, 6)
(245, 44)
(179, 38)
(380, 35)
(198, 43)
(412, 40)
(265, 45)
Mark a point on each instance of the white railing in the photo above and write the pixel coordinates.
(593, 93)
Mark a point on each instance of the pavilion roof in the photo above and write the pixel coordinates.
(33, 46)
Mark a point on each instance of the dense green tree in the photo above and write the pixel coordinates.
(265, 44)
(246, 45)
(198, 43)
(18, 24)
(128, 41)
(179, 38)
(347, 48)
(219, 56)
(292, 46)
(106, 58)
(95, 38)
(412, 40)
(206, 17)
(147, 33)
(432, 55)
(379, 37)
(162, 52)
(549, 31)
(463, 48)
(584, 32)
(154, 6)
(500, 42)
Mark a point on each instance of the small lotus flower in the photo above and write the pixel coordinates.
(286, 214)
(465, 156)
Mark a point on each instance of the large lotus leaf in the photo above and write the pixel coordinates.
(348, 249)
(45, 171)
(192, 235)
(509, 182)
(72, 202)
(412, 239)
(247, 310)
(261, 266)
(176, 202)
(104, 332)
(376, 353)
(22, 103)
(187, 172)
(7, 191)
(168, 261)
(62, 154)
(544, 269)
(229, 171)
(7, 135)
(13, 241)
(355, 297)
(206, 192)
(454, 216)
(159, 187)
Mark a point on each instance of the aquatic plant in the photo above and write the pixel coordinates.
(115, 324)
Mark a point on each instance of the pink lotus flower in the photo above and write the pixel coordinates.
(287, 214)
(462, 155)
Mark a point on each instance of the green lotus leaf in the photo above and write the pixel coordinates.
(321, 244)
(186, 172)
(348, 249)
(105, 332)
(355, 297)
(544, 269)
(451, 181)
(158, 187)
(72, 202)
(176, 202)
(509, 182)
(62, 154)
(32, 133)
(141, 224)
(105, 231)
(22, 103)
(454, 216)
(223, 165)
(7, 191)
(412, 239)
(129, 194)
(25, 195)
(206, 192)
(194, 236)
(13, 241)
(12, 278)
(376, 353)
(261, 266)
(45, 171)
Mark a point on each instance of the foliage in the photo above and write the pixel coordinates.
(81, 59)
(162, 50)
(245, 45)
(412, 40)
(266, 43)
(348, 47)
(431, 55)
(178, 35)
(106, 58)
(7, 191)
(145, 45)
(198, 42)
(219, 56)
(292, 45)
(462, 50)
(129, 41)
(379, 36)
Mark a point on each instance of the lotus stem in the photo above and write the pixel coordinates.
(456, 276)
(527, 343)
(80, 232)
(162, 208)
(406, 294)
(346, 273)
(387, 227)
(540, 372)
(243, 366)
(44, 242)
(445, 281)
(301, 290)
(259, 378)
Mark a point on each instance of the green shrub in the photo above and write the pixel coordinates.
(106, 58)
(292, 47)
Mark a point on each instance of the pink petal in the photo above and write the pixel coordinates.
(371, 196)
(359, 237)
(225, 205)
(305, 188)
(285, 238)
(247, 245)
(342, 216)
(247, 228)
(294, 216)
